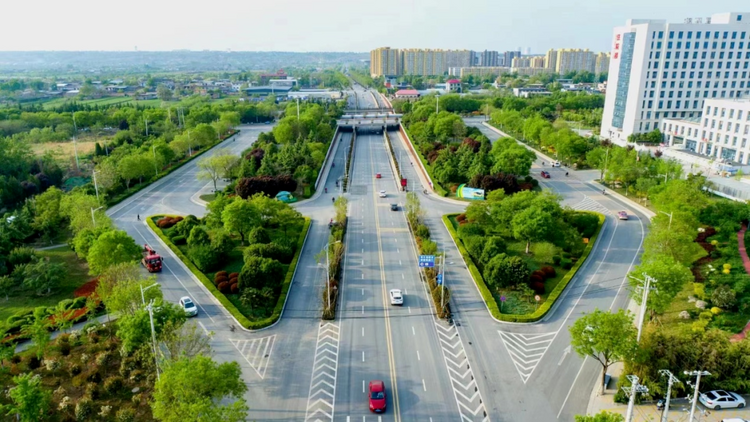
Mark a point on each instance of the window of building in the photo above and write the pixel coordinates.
(731, 45)
(679, 35)
(679, 44)
(726, 34)
(669, 104)
(716, 35)
(669, 44)
(671, 35)
(705, 44)
(658, 54)
(661, 104)
(723, 44)
(723, 94)
(661, 34)
(697, 35)
(674, 74)
(671, 94)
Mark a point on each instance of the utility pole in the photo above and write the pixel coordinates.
(697, 374)
(298, 109)
(190, 146)
(671, 380)
(644, 289)
(96, 187)
(437, 104)
(670, 214)
(150, 309)
(634, 389)
(156, 167)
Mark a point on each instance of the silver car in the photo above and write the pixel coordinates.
(189, 306)
(396, 297)
(720, 399)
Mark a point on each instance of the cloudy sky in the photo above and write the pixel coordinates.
(331, 25)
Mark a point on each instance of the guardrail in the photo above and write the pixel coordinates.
(328, 154)
(420, 163)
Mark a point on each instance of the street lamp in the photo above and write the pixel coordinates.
(92, 214)
(96, 187)
(143, 298)
(150, 309)
(437, 104)
(670, 214)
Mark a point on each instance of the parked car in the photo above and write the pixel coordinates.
(622, 215)
(189, 306)
(394, 207)
(545, 174)
(720, 399)
(734, 420)
(376, 396)
(396, 297)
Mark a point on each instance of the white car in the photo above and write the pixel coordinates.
(382, 194)
(720, 399)
(396, 297)
(189, 306)
(556, 164)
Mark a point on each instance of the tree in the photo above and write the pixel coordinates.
(133, 166)
(39, 333)
(42, 276)
(240, 216)
(47, 218)
(505, 271)
(30, 400)
(198, 389)
(122, 296)
(164, 93)
(606, 337)
(671, 276)
(134, 330)
(210, 168)
(258, 273)
(602, 416)
(185, 340)
(112, 247)
(532, 224)
(62, 317)
(7, 350)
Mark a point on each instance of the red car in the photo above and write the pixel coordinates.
(377, 396)
(545, 174)
(377, 175)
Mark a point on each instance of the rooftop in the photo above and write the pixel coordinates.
(407, 92)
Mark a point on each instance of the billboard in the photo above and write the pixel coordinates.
(466, 192)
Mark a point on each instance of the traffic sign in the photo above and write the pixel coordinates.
(439, 279)
(426, 261)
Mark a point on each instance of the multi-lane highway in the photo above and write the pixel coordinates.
(303, 368)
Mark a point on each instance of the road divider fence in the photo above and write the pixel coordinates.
(334, 256)
(349, 160)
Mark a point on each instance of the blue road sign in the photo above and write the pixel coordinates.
(439, 279)
(426, 261)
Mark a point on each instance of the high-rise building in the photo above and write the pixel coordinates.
(456, 58)
(602, 63)
(385, 61)
(550, 60)
(574, 60)
(508, 57)
(487, 58)
(528, 61)
(662, 70)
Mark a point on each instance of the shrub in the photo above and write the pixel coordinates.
(272, 250)
(224, 287)
(218, 280)
(492, 247)
(203, 256)
(92, 391)
(586, 223)
(113, 385)
(258, 235)
(715, 310)
(549, 272)
(537, 287)
(184, 227)
(535, 278)
(505, 271)
(126, 414)
(33, 362)
(198, 236)
(566, 255)
(566, 263)
(544, 251)
(179, 240)
(233, 275)
(20, 256)
(84, 409)
(475, 245)
(471, 229)
(541, 274)
(556, 259)
(699, 290)
(94, 376)
(460, 218)
(64, 349)
(221, 274)
(724, 297)
(74, 369)
(422, 232)
(167, 222)
(234, 288)
(258, 273)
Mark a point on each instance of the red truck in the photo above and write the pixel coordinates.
(151, 260)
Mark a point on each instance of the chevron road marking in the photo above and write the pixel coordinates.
(321, 399)
(464, 386)
(588, 204)
(526, 350)
(257, 352)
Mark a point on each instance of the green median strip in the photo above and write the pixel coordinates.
(489, 300)
(228, 305)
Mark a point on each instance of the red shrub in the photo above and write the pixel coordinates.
(221, 274)
(168, 222)
(537, 287)
(219, 280)
(234, 288)
(87, 289)
(534, 278)
(540, 274)
(549, 272)
(224, 287)
(461, 218)
(234, 280)
(234, 275)
(177, 219)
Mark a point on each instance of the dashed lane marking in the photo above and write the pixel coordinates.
(526, 350)
(257, 352)
(322, 396)
(465, 388)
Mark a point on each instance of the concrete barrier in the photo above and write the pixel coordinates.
(328, 154)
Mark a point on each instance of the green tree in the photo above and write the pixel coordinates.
(120, 289)
(671, 276)
(200, 390)
(47, 216)
(240, 216)
(42, 276)
(134, 330)
(164, 93)
(607, 337)
(62, 317)
(258, 273)
(30, 401)
(112, 247)
(38, 332)
(505, 271)
(602, 416)
(531, 225)
(132, 167)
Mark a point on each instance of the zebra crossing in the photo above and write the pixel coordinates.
(526, 350)
(465, 388)
(321, 398)
(588, 204)
(257, 352)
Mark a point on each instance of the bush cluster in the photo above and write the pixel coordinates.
(168, 222)
(267, 185)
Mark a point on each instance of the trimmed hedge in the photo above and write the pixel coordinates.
(489, 300)
(228, 305)
(435, 185)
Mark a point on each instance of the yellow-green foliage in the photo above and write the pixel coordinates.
(715, 310)
(699, 290)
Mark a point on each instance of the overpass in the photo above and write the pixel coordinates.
(369, 122)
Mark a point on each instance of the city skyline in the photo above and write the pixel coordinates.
(336, 26)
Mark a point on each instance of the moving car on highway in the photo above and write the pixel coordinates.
(720, 399)
(394, 207)
(545, 174)
(622, 215)
(377, 396)
(187, 304)
(396, 297)
(382, 194)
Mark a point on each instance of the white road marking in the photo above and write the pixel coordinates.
(526, 350)
(409, 308)
(363, 309)
(322, 397)
(402, 277)
(363, 388)
(363, 275)
(418, 358)
(363, 356)
(399, 262)
(204, 328)
(363, 292)
(398, 251)
(363, 331)
(424, 386)
(413, 332)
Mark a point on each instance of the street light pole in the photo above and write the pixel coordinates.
(93, 220)
(672, 380)
(150, 309)
(96, 187)
(143, 298)
(670, 214)
(156, 168)
(647, 280)
(634, 389)
(697, 374)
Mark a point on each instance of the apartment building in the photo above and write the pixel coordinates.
(486, 59)
(661, 70)
(478, 72)
(550, 60)
(528, 61)
(575, 60)
(508, 56)
(722, 131)
(602, 63)
(385, 61)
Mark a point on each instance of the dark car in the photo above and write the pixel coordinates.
(545, 174)
(377, 396)
(394, 207)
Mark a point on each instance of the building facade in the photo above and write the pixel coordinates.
(575, 60)
(508, 58)
(721, 131)
(662, 70)
(528, 61)
(385, 61)
(602, 63)
(487, 58)
(479, 72)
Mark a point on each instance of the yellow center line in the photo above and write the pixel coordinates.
(388, 334)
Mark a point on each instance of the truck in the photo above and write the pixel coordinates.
(151, 260)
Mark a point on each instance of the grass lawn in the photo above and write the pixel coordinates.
(208, 197)
(514, 302)
(76, 275)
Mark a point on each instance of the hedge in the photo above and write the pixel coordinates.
(489, 300)
(228, 305)
(140, 186)
(428, 167)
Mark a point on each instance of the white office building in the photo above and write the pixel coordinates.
(662, 70)
(721, 132)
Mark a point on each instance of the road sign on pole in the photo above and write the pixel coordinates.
(439, 279)
(426, 261)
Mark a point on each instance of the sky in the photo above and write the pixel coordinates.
(332, 25)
